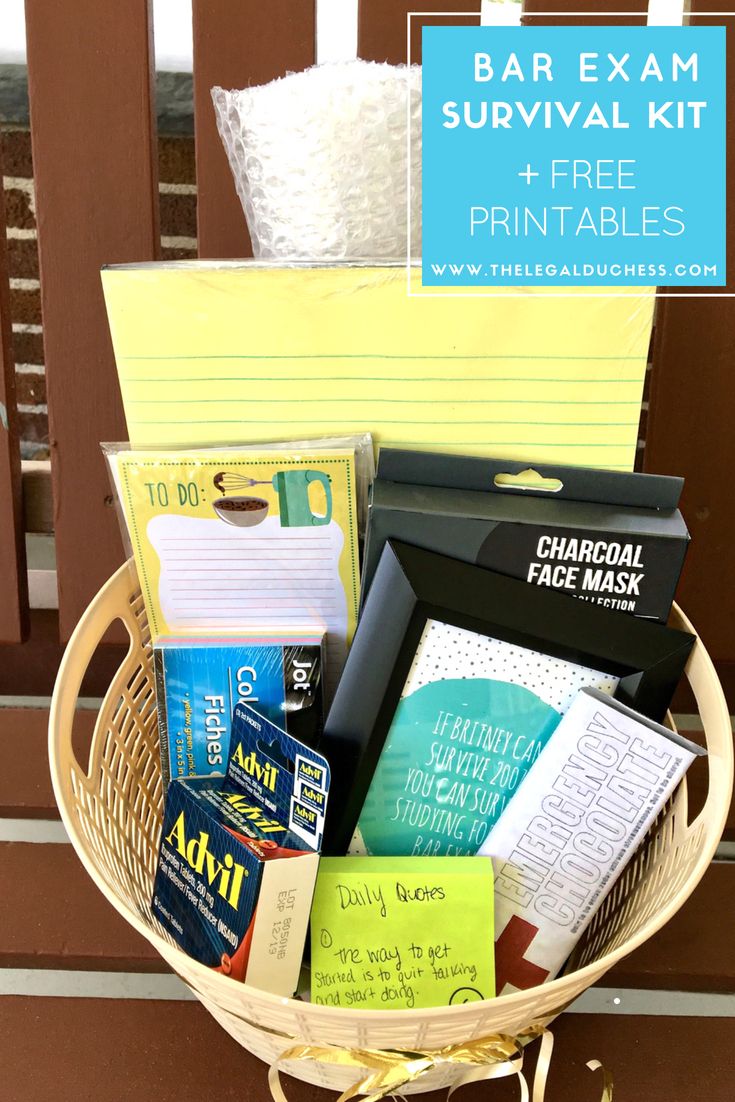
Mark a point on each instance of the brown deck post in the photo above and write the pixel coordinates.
(90, 80)
(690, 424)
(13, 577)
(238, 43)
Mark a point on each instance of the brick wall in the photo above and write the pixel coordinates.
(177, 191)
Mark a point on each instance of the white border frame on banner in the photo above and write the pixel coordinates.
(545, 289)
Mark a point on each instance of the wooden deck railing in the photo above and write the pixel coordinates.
(90, 75)
(13, 584)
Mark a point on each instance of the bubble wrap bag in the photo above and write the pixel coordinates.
(319, 160)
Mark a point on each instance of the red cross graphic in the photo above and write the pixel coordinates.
(510, 963)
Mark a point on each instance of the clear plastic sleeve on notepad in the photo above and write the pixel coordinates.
(246, 538)
(364, 466)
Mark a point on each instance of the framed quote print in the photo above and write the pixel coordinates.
(456, 680)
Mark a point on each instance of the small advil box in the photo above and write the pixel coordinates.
(239, 857)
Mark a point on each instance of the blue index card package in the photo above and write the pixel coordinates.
(239, 856)
(200, 680)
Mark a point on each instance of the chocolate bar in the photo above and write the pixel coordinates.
(571, 828)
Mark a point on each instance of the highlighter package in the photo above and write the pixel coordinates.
(239, 857)
(200, 680)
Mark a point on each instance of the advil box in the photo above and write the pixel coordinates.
(239, 856)
(279, 773)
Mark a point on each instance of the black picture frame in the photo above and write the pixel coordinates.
(412, 586)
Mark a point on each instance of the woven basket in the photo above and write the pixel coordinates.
(112, 811)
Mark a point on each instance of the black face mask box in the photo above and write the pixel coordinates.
(611, 538)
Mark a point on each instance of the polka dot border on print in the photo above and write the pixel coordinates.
(447, 652)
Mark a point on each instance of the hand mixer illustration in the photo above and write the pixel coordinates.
(292, 488)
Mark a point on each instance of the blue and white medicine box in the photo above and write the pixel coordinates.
(200, 680)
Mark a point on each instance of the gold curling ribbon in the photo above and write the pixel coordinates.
(493, 1057)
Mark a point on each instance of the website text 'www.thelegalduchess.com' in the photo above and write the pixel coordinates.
(476, 273)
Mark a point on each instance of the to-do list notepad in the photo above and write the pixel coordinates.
(231, 540)
(215, 352)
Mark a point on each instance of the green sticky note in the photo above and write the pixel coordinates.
(402, 932)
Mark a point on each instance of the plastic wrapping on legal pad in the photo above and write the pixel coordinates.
(211, 351)
(320, 160)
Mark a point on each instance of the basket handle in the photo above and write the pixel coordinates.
(103, 610)
(715, 716)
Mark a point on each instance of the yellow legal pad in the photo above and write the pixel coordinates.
(221, 352)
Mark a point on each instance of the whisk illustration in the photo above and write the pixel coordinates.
(228, 482)
(292, 488)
